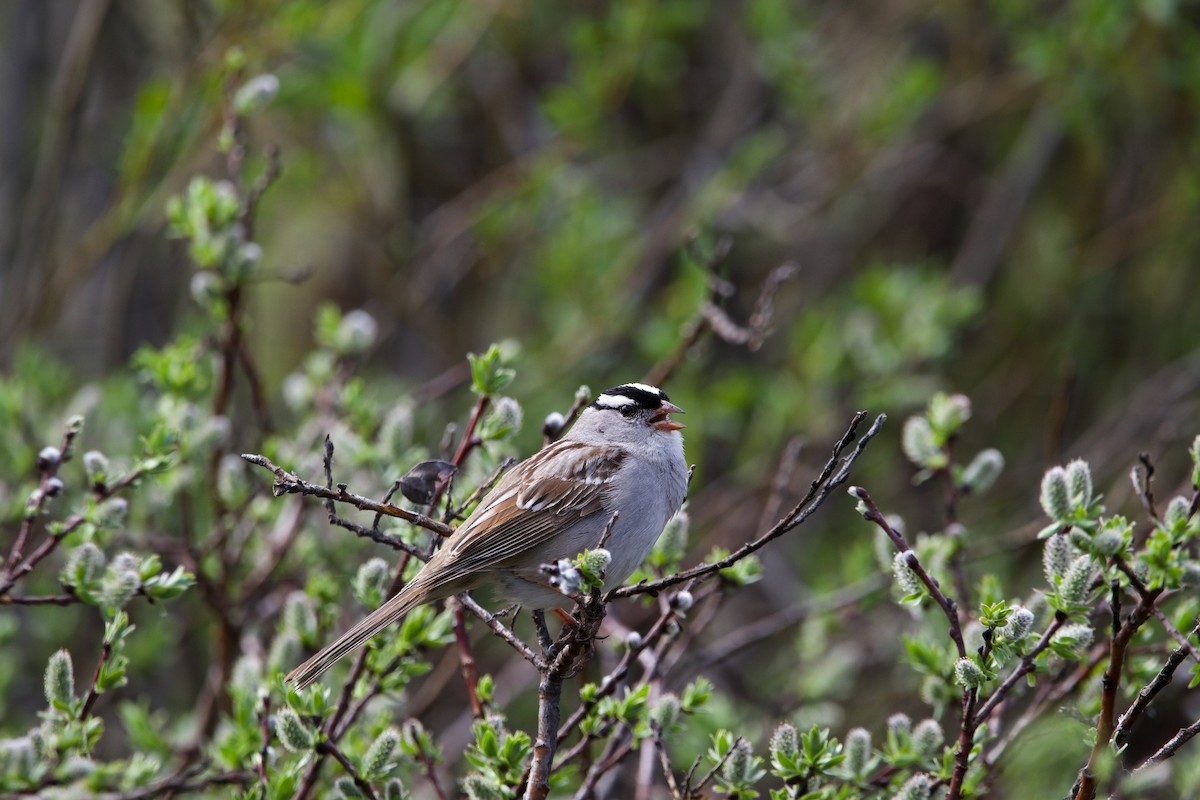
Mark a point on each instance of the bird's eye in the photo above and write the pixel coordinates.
(627, 411)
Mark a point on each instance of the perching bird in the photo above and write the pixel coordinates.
(624, 455)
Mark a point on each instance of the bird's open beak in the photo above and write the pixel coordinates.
(664, 423)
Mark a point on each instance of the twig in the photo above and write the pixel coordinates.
(34, 510)
(1141, 476)
(288, 483)
(93, 692)
(712, 773)
(466, 659)
(39, 600)
(498, 628)
(1171, 747)
(948, 606)
(1110, 682)
(572, 644)
(329, 748)
(264, 726)
(835, 473)
(1185, 641)
(1151, 690)
(970, 696)
(429, 767)
(1022, 669)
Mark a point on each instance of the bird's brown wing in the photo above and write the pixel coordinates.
(562, 483)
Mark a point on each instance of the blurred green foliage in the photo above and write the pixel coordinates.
(994, 199)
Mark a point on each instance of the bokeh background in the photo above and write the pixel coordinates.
(997, 198)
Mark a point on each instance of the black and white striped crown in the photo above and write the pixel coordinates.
(632, 394)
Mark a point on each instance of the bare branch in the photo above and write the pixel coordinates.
(288, 483)
(835, 473)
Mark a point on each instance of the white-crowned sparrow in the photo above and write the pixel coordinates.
(624, 455)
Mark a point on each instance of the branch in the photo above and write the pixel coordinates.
(1151, 690)
(572, 644)
(288, 483)
(948, 606)
(835, 473)
(1111, 680)
(1170, 748)
(329, 748)
(1024, 668)
(37, 501)
(967, 726)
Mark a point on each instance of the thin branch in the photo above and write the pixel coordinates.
(572, 644)
(1172, 747)
(1110, 683)
(948, 606)
(1022, 669)
(38, 502)
(329, 748)
(835, 473)
(288, 483)
(498, 628)
(466, 659)
(93, 691)
(1151, 690)
(39, 600)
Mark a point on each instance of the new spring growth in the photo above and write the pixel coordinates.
(983, 470)
(1076, 581)
(1079, 482)
(1056, 557)
(592, 565)
(17, 757)
(394, 790)
(1195, 454)
(1073, 638)
(785, 745)
(111, 514)
(915, 788)
(682, 601)
(1055, 496)
(479, 788)
(299, 616)
(552, 425)
(121, 581)
(1113, 536)
(346, 788)
(83, 566)
(948, 412)
(95, 466)
(665, 712)
(370, 582)
(858, 751)
(968, 674)
(1020, 623)
(292, 732)
(504, 420)
(739, 768)
(928, 738)
(919, 444)
(906, 577)
(48, 459)
(59, 682)
(285, 650)
(899, 724)
(255, 93)
(355, 334)
(378, 761)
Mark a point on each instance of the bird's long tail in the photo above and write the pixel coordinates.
(412, 595)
